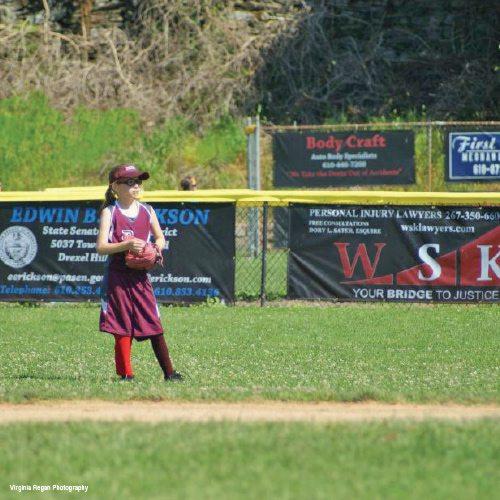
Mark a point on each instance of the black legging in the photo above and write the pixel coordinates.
(161, 352)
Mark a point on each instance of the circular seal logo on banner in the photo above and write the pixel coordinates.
(18, 246)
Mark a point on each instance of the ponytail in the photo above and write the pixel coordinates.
(109, 199)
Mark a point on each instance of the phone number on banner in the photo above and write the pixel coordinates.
(186, 292)
(490, 215)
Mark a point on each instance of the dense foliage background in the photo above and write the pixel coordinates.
(87, 83)
(299, 60)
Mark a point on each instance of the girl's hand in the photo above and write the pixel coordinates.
(135, 245)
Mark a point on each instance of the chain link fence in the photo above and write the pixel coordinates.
(261, 252)
(262, 247)
(429, 155)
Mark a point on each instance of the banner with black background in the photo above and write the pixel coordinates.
(47, 252)
(394, 253)
(318, 159)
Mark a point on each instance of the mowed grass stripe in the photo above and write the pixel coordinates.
(233, 461)
(387, 352)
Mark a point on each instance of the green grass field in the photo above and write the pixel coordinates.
(388, 352)
(255, 461)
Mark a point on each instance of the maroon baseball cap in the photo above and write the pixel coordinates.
(126, 171)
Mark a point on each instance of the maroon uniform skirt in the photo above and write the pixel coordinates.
(128, 305)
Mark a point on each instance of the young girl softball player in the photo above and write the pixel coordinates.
(128, 306)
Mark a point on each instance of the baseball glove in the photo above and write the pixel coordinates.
(146, 259)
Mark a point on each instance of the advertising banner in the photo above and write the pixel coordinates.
(394, 253)
(318, 159)
(473, 156)
(47, 252)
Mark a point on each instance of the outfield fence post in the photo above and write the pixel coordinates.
(252, 131)
(263, 274)
(429, 156)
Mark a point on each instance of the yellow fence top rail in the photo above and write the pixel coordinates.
(255, 198)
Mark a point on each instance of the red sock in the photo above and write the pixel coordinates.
(122, 355)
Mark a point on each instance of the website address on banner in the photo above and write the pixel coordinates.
(56, 278)
(170, 278)
(94, 279)
(418, 227)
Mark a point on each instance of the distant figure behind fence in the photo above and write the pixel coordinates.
(188, 183)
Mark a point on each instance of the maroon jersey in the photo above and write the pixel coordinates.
(123, 228)
(128, 304)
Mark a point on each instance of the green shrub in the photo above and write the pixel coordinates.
(41, 148)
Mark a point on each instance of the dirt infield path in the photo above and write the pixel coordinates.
(265, 411)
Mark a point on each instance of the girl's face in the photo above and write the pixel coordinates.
(128, 189)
